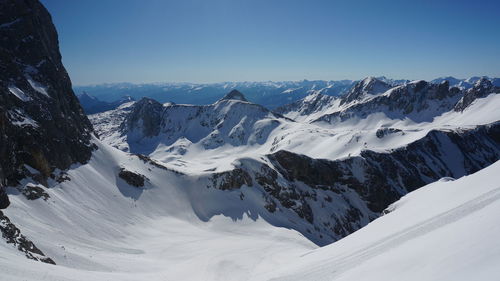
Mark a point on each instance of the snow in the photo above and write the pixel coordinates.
(19, 118)
(26, 121)
(97, 227)
(443, 231)
(219, 134)
(38, 87)
(178, 227)
(19, 93)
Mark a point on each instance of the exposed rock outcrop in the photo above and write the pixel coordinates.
(367, 86)
(13, 236)
(482, 88)
(145, 117)
(33, 192)
(132, 178)
(419, 100)
(41, 121)
(234, 95)
(230, 180)
(336, 198)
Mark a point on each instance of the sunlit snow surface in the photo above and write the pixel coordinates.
(447, 230)
(97, 228)
(188, 151)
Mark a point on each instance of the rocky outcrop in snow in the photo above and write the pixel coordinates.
(13, 236)
(365, 87)
(419, 100)
(363, 186)
(482, 88)
(234, 95)
(306, 107)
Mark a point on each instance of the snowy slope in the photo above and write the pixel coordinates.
(219, 142)
(96, 226)
(444, 231)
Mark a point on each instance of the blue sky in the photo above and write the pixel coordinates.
(242, 40)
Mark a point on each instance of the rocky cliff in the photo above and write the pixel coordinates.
(42, 125)
(332, 199)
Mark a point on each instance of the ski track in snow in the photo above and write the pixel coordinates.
(343, 263)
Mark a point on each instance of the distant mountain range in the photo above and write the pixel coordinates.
(99, 98)
(93, 105)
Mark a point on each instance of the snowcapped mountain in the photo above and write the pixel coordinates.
(295, 163)
(230, 190)
(465, 83)
(415, 101)
(151, 127)
(269, 94)
(365, 89)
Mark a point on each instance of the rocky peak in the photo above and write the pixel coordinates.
(369, 85)
(484, 83)
(42, 124)
(145, 116)
(451, 80)
(234, 95)
(314, 102)
(482, 87)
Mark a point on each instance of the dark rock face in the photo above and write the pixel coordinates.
(234, 95)
(231, 180)
(41, 122)
(386, 131)
(404, 100)
(13, 236)
(33, 192)
(369, 85)
(388, 176)
(154, 163)
(4, 199)
(146, 116)
(132, 178)
(336, 198)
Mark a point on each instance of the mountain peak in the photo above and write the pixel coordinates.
(234, 95)
(483, 82)
(369, 85)
(368, 80)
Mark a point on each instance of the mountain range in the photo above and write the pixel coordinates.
(102, 97)
(311, 180)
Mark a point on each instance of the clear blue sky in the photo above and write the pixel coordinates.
(255, 40)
